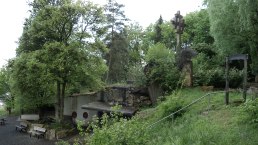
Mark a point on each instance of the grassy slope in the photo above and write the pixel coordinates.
(203, 123)
(220, 124)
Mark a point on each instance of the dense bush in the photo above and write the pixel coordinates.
(161, 67)
(210, 72)
(205, 73)
(172, 104)
(235, 78)
(121, 132)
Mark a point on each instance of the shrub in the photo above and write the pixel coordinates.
(235, 78)
(209, 72)
(250, 111)
(122, 132)
(112, 129)
(172, 104)
(161, 67)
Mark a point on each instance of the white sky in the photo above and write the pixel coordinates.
(14, 12)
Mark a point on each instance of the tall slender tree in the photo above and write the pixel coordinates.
(115, 26)
(158, 31)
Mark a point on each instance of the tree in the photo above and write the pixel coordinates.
(66, 49)
(135, 40)
(5, 88)
(115, 18)
(248, 12)
(233, 25)
(225, 27)
(119, 58)
(161, 67)
(158, 31)
(32, 82)
(197, 28)
(167, 35)
(116, 28)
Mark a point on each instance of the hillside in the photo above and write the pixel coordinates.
(203, 123)
(220, 125)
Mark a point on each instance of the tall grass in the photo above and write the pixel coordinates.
(207, 122)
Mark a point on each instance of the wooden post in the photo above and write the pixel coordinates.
(227, 83)
(245, 78)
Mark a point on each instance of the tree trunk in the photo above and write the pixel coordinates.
(109, 58)
(58, 101)
(62, 101)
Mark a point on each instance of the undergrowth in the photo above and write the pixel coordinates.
(207, 122)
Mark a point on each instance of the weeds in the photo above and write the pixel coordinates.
(221, 125)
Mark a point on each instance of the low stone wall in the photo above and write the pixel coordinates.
(133, 97)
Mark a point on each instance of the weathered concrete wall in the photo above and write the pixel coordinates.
(82, 100)
(68, 106)
(109, 95)
(74, 103)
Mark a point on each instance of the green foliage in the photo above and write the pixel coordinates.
(205, 73)
(60, 126)
(207, 49)
(32, 83)
(209, 71)
(4, 81)
(172, 104)
(250, 111)
(158, 31)
(134, 38)
(197, 28)
(116, 40)
(248, 19)
(118, 58)
(233, 26)
(166, 33)
(129, 132)
(196, 126)
(62, 143)
(2, 111)
(193, 130)
(136, 74)
(115, 17)
(6, 95)
(161, 67)
(58, 49)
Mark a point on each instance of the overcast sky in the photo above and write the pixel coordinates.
(13, 13)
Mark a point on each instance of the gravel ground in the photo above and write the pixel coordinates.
(9, 136)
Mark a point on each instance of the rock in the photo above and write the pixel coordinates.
(51, 134)
(61, 134)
